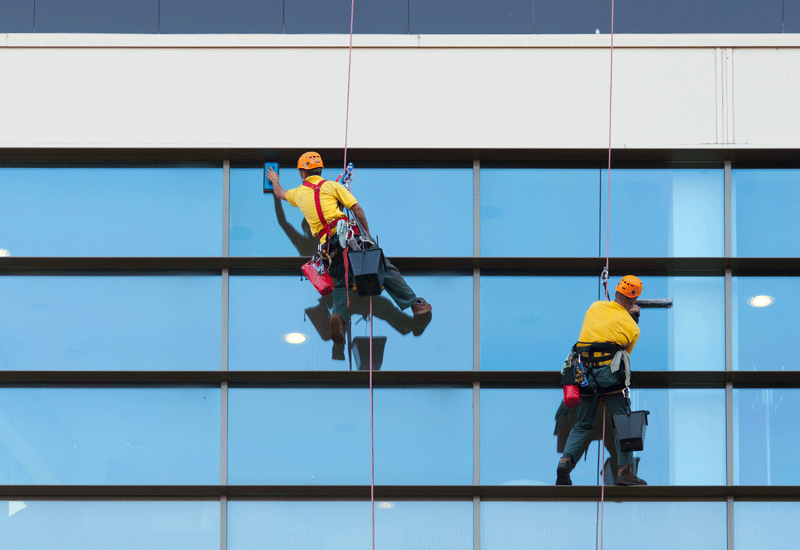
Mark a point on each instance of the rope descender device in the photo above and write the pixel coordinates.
(604, 281)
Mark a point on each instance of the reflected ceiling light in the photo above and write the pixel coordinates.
(295, 338)
(761, 301)
(386, 505)
(4, 253)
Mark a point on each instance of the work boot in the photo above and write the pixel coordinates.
(420, 307)
(625, 476)
(337, 329)
(565, 466)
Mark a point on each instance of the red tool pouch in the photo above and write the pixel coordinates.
(572, 396)
(322, 282)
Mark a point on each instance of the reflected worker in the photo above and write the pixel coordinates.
(607, 338)
(323, 216)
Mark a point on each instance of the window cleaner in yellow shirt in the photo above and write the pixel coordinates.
(605, 323)
(322, 218)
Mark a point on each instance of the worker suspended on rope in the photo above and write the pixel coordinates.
(321, 202)
(600, 366)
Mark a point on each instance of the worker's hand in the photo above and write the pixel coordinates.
(634, 311)
(272, 176)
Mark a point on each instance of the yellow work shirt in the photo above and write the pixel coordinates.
(330, 195)
(607, 321)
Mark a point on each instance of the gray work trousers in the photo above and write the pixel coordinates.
(587, 416)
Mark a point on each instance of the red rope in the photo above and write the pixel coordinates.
(371, 429)
(349, 65)
(610, 98)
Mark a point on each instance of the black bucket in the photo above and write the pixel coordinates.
(361, 352)
(369, 269)
(629, 430)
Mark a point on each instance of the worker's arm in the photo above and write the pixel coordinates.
(272, 176)
(358, 212)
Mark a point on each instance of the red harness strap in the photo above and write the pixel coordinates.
(328, 228)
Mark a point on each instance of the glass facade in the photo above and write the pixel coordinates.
(397, 16)
(141, 350)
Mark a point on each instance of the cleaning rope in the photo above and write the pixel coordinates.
(602, 474)
(371, 400)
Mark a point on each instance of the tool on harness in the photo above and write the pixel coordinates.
(315, 271)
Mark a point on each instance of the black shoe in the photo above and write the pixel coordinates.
(565, 466)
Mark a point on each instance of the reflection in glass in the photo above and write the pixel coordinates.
(570, 525)
(320, 436)
(264, 309)
(449, 17)
(346, 525)
(91, 436)
(110, 323)
(218, 17)
(759, 525)
(112, 211)
(765, 447)
(86, 16)
(763, 337)
(128, 525)
(553, 213)
(762, 228)
(531, 323)
(685, 428)
(261, 225)
(665, 213)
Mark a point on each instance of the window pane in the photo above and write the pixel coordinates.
(531, 323)
(582, 17)
(111, 323)
(760, 227)
(540, 213)
(760, 525)
(112, 211)
(321, 436)
(720, 16)
(454, 17)
(264, 226)
(685, 428)
(333, 16)
(89, 436)
(762, 337)
(16, 16)
(346, 525)
(765, 453)
(570, 525)
(97, 16)
(129, 525)
(264, 310)
(664, 213)
(221, 16)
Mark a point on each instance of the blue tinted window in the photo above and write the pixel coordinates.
(762, 337)
(765, 452)
(761, 228)
(404, 209)
(97, 16)
(531, 323)
(110, 323)
(333, 16)
(111, 211)
(664, 213)
(321, 436)
(88, 436)
(454, 17)
(760, 525)
(582, 17)
(16, 16)
(540, 212)
(568, 525)
(263, 310)
(221, 16)
(129, 525)
(347, 525)
(791, 17)
(684, 426)
(720, 16)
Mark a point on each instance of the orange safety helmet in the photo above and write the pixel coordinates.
(630, 286)
(309, 160)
